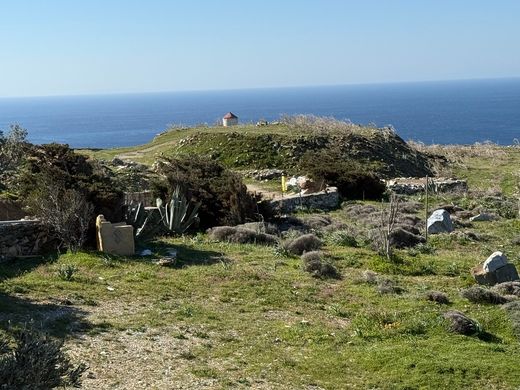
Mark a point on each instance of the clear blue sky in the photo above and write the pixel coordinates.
(52, 47)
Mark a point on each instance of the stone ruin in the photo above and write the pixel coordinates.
(414, 185)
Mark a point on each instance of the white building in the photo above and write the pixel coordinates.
(230, 119)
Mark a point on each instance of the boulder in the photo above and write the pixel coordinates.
(495, 270)
(439, 222)
(495, 261)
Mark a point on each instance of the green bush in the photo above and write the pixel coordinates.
(222, 195)
(58, 165)
(36, 362)
(351, 177)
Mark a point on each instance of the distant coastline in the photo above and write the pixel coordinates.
(445, 112)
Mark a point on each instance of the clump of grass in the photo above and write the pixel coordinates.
(314, 263)
(462, 324)
(421, 248)
(388, 286)
(302, 244)
(438, 297)
(67, 271)
(240, 235)
(342, 238)
(369, 277)
(482, 295)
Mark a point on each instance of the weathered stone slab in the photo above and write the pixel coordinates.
(114, 238)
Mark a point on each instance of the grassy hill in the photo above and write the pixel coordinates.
(282, 146)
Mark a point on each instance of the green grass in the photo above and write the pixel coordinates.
(264, 319)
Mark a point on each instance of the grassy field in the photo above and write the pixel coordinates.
(247, 316)
(243, 316)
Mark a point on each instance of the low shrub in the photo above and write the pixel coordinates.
(353, 179)
(314, 263)
(462, 324)
(67, 271)
(507, 288)
(477, 294)
(369, 277)
(302, 244)
(388, 286)
(36, 362)
(241, 235)
(342, 238)
(437, 297)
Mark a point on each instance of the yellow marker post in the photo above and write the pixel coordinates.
(284, 184)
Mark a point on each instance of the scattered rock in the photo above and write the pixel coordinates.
(166, 261)
(439, 222)
(145, 252)
(494, 262)
(495, 270)
(302, 244)
(265, 174)
(484, 217)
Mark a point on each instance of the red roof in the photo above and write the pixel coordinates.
(230, 115)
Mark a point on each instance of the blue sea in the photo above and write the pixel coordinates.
(451, 112)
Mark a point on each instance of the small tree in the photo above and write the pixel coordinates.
(13, 148)
(387, 225)
(65, 211)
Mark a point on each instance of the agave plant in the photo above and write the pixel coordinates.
(175, 214)
(144, 222)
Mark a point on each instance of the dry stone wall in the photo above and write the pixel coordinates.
(22, 238)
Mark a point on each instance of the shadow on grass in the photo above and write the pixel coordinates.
(489, 338)
(58, 320)
(13, 268)
(185, 255)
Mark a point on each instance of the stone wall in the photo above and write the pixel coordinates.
(412, 186)
(323, 200)
(10, 211)
(22, 238)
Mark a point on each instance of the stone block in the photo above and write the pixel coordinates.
(114, 238)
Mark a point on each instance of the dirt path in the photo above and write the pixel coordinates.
(141, 153)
